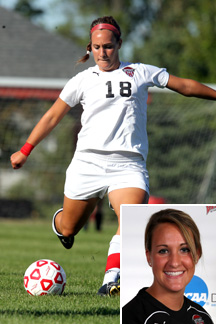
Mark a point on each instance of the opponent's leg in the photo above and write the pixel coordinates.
(111, 284)
(68, 220)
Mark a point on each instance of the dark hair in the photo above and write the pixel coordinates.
(103, 20)
(185, 224)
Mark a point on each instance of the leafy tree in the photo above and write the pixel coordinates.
(26, 8)
(182, 39)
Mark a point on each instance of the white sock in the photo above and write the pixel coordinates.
(112, 271)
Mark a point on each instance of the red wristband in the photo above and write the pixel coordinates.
(27, 148)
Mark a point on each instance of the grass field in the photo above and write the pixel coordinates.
(23, 242)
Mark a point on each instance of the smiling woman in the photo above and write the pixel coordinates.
(172, 264)
(173, 247)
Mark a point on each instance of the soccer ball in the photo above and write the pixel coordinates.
(44, 277)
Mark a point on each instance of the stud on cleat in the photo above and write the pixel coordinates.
(110, 289)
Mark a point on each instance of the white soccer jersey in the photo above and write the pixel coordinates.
(114, 106)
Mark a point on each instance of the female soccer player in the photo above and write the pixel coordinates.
(112, 145)
(173, 248)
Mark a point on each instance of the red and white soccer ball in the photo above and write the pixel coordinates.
(44, 277)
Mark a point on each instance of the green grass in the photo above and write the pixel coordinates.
(23, 242)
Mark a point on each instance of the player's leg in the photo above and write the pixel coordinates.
(122, 196)
(111, 284)
(68, 220)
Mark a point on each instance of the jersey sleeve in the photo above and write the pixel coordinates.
(156, 76)
(71, 93)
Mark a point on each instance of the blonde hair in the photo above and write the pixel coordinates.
(185, 224)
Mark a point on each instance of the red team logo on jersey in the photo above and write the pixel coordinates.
(210, 209)
(198, 319)
(129, 71)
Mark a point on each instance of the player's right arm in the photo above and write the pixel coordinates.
(46, 124)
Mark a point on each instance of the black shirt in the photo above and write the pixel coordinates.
(145, 309)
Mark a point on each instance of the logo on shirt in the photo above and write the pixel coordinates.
(129, 71)
(198, 319)
(210, 209)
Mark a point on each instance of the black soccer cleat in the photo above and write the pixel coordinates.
(110, 289)
(67, 242)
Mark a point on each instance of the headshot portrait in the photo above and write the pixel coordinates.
(168, 264)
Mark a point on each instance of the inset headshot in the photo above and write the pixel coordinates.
(168, 264)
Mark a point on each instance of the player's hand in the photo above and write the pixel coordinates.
(17, 160)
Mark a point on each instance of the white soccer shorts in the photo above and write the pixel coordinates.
(91, 175)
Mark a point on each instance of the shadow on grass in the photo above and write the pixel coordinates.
(96, 312)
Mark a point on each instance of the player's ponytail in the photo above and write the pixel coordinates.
(87, 55)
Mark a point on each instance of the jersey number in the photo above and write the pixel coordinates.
(125, 89)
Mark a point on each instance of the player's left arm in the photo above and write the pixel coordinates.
(190, 88)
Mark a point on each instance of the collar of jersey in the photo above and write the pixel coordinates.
(122, 65)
